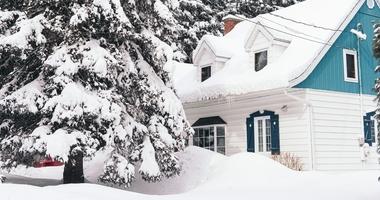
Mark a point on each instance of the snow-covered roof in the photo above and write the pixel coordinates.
(234, 17)
(223, 47)
(307, 46)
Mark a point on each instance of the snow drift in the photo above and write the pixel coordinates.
(208, 175)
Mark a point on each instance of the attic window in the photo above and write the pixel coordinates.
(261, 60)
(350, 66)
(206, 73)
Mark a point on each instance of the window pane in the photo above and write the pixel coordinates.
(220, 131)
(260, 135)
(350, 61)
(196, 141)
(201, 138)
(200, 132)
(211, 138)
(212, 131)
(196, 137)
(206, 132)
(207, 138)
(261, 60)
(206, 73)
(268, 135)
(196, 134)
(373, 132)
(207, 142)
(221, 141)
(222, 150)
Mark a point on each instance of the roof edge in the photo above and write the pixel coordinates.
(322, 53)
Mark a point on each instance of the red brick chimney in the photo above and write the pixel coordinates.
(230, 22)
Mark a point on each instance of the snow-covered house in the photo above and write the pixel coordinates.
(298, 80)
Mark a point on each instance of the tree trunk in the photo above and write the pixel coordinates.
(73, 171)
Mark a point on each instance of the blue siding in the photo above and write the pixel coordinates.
(329, 73)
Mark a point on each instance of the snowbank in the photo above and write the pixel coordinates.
(207, 175)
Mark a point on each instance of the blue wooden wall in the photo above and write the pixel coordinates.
(329, 73)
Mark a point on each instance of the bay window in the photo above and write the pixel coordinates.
(210, 134)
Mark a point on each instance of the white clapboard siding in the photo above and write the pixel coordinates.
(294, 127)
(337, 124)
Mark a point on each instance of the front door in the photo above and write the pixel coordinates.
(263, 136)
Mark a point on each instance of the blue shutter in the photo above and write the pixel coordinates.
(367, 129)
(250, 135)
(275, 135)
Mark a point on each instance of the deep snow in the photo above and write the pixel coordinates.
(206, 175)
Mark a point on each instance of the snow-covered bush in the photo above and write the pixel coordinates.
(289, 160)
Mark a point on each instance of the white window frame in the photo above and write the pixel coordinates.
(374, 144)
(354, 53)
(200, 71)
(254, 57)
(215, 136)
(256, 119)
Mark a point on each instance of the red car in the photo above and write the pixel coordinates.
(48, 162)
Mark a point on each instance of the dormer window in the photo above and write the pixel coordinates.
(261, 60)
(205, 73)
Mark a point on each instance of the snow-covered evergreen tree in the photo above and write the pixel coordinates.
(252, 8)
(376, 51)
(179, 23)
(182, 23)
(80, 76)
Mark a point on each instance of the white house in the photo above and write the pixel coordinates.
(297, 80)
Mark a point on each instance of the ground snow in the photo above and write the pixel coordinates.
(206, 175)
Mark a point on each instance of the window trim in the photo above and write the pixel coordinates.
(256, 119)
(354, 53)
(201, 68)
(215, 136)
(254, 57)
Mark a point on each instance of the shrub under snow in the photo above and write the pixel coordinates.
(289, 160)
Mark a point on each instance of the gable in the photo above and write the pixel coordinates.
(205, 56)
(329, 72)
(259, 38)
(260, 41)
